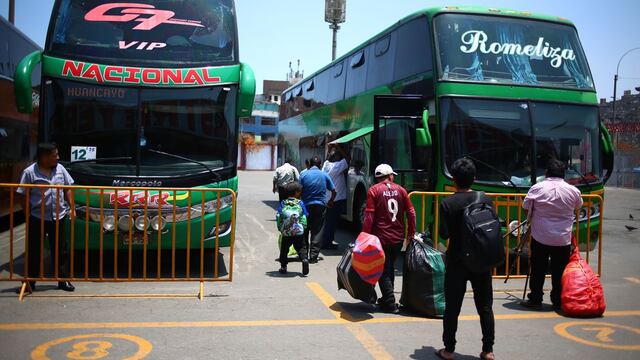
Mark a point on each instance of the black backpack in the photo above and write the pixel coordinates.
(482, 242)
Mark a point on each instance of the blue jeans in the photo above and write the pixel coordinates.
(331, 221)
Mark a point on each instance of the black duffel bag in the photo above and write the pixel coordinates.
(349, 280)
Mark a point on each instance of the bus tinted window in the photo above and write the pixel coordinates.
(194, 31)
(413, 52)
(357, 72)
(380, 67)
(336, 83)
(509, 50)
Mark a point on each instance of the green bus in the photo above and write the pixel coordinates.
(509, 89)
(143, 94)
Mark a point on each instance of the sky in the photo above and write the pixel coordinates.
(273, 33)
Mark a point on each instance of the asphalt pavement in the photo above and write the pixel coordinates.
(265, 315)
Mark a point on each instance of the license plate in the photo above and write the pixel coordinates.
(136, 239)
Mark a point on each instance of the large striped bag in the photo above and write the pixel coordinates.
(368, 258)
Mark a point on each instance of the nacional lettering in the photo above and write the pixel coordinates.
(476, 40)
(135, 75)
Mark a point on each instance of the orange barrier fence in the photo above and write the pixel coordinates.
(587, 227)
(119, 234)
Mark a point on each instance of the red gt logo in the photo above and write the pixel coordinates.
(133, 12)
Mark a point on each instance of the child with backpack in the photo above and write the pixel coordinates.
(291, 219)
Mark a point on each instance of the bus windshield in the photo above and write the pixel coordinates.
(503, 136)
(144, 31)
(120, 122)
(510, 51)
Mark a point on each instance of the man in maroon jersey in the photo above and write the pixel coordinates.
(387, 206)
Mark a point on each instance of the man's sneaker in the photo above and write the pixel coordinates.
(305, 267)
(283, 270)
(66, 286)
(531, 305)
(313, 260)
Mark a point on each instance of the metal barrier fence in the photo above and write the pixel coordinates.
(119, 234)
(587, 227)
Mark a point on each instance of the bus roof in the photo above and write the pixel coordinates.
(432, 12)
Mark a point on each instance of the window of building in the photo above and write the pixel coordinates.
(268, 121)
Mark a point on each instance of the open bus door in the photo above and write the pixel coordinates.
(401, 138)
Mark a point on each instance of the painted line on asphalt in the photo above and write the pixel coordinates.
(632, 279)
(375, 349)
(267, 323)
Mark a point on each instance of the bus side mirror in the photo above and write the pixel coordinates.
(247, 91)
(22, 86)
(423, 136)
(606, 146)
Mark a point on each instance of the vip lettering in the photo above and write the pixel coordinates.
(134, 75)
(142, 45)
(133, 11)
(476, 40)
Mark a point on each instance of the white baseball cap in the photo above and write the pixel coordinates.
(384, 170)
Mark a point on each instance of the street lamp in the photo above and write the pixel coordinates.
(334, 14)
(615, 81)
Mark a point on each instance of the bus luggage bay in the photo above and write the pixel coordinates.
(143, 94)
(509, 89)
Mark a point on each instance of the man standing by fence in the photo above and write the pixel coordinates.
(47, 171)
(552, 204)
(283, 175)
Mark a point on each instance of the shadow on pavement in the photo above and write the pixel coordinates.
(271, 203)
(429, 352)
(289, 274)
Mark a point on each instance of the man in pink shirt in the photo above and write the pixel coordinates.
(552, 204)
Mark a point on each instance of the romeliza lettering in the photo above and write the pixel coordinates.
(476, 40)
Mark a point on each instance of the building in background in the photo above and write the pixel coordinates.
(259, 132)
(625, 131)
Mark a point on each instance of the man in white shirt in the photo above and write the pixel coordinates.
(282, 176)
(336, 167)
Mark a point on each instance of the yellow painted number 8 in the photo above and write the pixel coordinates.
(89, 350)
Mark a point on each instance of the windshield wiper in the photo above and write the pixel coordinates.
(583, 178)
(213, 172)
(504, 174)
(102, 159)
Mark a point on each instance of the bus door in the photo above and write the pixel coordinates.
(401, 138)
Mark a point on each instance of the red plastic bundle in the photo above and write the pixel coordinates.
(368, 258)
(582, 294)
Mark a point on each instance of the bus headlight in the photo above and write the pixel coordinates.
(142, 223)
(123, 222)
(595, 210)
(158, 223)
(583, 213)
(212, 205)
(109, 223)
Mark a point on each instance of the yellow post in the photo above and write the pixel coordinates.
(201, 293)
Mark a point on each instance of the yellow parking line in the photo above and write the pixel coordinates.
(375, 349)
(634, 280)
(267, 323)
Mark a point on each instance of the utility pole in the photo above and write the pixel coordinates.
(334, 14)
(12, 12)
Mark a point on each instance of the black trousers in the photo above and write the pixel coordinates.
(298, 243)
(386, 282)
(313, 234)
(540, 256)
(455, 286)
(281, 193)
(49, 235)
